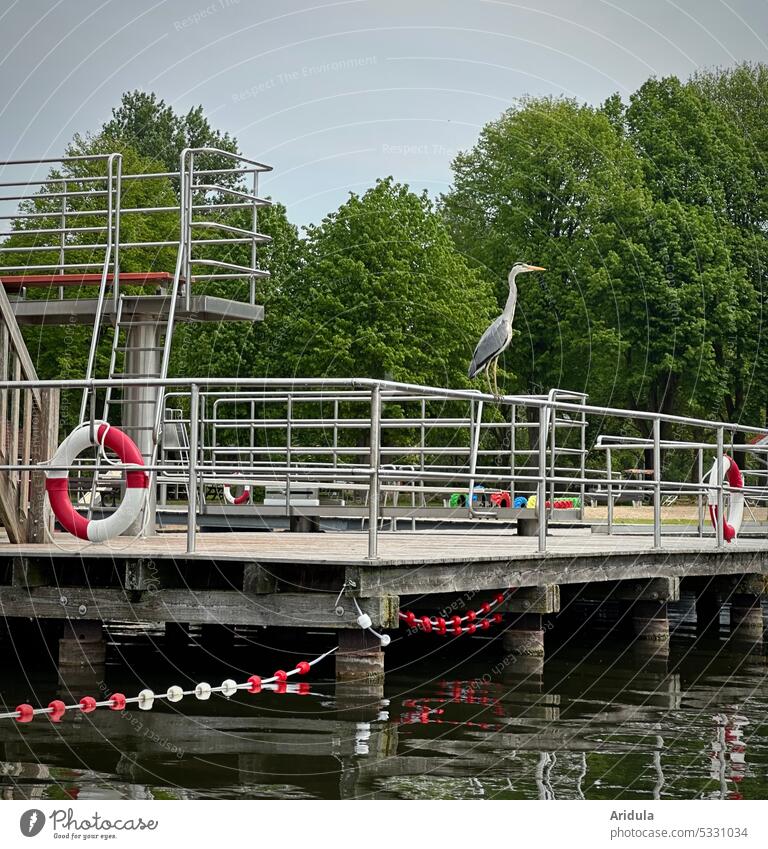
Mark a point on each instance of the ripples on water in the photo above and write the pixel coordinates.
(602, 722)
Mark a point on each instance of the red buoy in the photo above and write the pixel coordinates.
(88, 704)
(25, 713)
(303, 667)
(118, 701)
(280, 676)
(58, 709)
(255, 684)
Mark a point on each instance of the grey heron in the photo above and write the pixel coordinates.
(497, 337)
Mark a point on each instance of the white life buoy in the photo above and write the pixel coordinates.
(236, 499)
(735, 512)
(57, 482)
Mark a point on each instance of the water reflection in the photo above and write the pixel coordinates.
(600, 722)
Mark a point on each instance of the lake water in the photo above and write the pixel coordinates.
(455, 721)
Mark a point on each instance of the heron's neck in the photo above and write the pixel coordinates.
(509, 307)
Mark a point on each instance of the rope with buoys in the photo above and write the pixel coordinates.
(236, 499)
(145, 700)
(734, 514)
(480, 618)
(102, 435)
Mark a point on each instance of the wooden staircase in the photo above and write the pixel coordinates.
(28, 435)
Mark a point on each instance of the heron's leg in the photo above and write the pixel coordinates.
(495, 376)
(488, 379)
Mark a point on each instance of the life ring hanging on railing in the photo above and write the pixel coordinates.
(735, 511)
(236, 499)
(57, 482)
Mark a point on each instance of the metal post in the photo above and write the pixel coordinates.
(700, 496)
(288, 453)
(583, 467)
(373, 493)
(541, 497)
(186, 234)
(657, 483)
(63, 237)
(194, 422)
(609, 487)
(719, 526)
(512, 447)
(116, 231)
(252, 287)
(552, 440)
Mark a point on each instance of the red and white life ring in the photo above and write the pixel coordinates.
(57, 482)
(236, 499)
(735, 511)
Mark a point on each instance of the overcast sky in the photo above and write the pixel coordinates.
(336, 94)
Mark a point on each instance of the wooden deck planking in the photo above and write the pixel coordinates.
(395, 549)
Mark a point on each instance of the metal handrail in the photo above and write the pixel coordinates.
(373, 476)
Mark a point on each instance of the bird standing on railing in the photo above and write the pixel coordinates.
(497, 337)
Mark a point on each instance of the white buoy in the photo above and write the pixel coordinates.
(175, 693)
(146, 699)
(364, 620)
(228, 687)
(385, 639)
(203, 691)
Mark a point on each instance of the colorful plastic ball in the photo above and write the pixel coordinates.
(203, 691)
(520, 502)
(426, 623)
(228, 688)
(57, 710)
(117, 701)
(281, 676)
(175, 693)
(255, 684)
(26, 713)
(303, 667)
(385, 639)
(532, 503)
(87, 704)
(146, 700)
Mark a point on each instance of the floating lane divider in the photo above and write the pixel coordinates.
(146, 699)
(472, 619)
(103, 436)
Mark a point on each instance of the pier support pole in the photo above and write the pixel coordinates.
(82, 653)
(523, 643)
(360, 658)
(525, 635)
(708, 607)
(359, 675)
(747, 619)
(650, 621)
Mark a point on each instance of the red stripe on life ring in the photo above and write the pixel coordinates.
(126, 450)
(66, 515)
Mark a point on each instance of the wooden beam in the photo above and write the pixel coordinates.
(8, 318)
(293, 610)
(45, 439)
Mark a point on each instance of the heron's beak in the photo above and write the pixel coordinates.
(536, 268)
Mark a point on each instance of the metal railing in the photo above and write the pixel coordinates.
(49, 211)
(371, 465)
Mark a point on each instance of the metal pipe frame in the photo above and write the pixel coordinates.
(210, 401)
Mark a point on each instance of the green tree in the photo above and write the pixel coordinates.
(383, 293)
